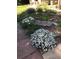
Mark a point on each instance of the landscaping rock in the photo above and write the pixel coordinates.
(45, 23)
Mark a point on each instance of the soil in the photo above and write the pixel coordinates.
(24, 48)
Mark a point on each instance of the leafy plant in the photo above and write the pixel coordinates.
(28, 23)
(43, 40)
(39, 10)
(46, 18)
(21, 16)
(31, 10)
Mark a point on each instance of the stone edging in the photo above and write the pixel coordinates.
(45, 23)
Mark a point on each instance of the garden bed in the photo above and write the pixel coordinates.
(40, 25)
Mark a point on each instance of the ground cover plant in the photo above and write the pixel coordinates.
(43, 40)
(28, 23)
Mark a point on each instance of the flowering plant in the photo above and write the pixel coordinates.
(28, 20)
(43, 39)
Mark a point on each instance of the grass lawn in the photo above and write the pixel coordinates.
(21, 9)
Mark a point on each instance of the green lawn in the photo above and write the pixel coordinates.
(22, 8)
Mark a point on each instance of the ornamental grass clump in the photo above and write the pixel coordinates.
(43, 40)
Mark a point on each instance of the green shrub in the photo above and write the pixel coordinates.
(27, 13)
(51, 11)
(45, 18)
(31, 10)
(28, 23)
(39, 10)
(21, 16)
(30, 27)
